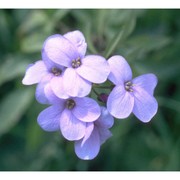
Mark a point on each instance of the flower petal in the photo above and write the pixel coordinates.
(94, 68)
(58, 88)
(49, 118)
(59, 50)
(40, 89)
(78, 40)
(120, 70)
(89, 129)
(90, 148)
(34, 73)
(147, 81)
(104, 134)
(50, 64)
(145, 105)
(40, 94)
(52, 98)
(74, 85)
(86, 109)
(105, 120)
(71, 127)
(120, 102)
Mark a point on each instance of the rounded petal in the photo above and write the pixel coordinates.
(106, 120)
(49, 118)
(86, 109)
(59, 50)
(120, 102)
(71, 127)
(40, 95)
(52, 98)
(34, 73)
(75, 85)
(78, 40)
(147, 81)
(94, 68)
(89, 129)
(58, 88)
(104, 134)
(50, 64)
(90, 148)
(120, 70)
(145, 105)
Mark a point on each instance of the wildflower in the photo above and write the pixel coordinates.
(43, 75)
(68, 115)
(80, 70)
(97, 133)
(47, 72)
(131, 95)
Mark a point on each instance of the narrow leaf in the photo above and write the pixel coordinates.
(12, 68)
(13, 107)
(122, 34)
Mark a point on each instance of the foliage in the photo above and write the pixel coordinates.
(148, 39)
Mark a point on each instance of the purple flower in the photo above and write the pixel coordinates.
(80, 71)
(46, 71)
(131, 95)
(96, 133)
(68, 115)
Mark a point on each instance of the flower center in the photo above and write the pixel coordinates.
(128, 86)
(56, 71)
(70, 104)
(76, 63)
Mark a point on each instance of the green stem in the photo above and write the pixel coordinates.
(89, 39)
(97, 94)
(169, 103)
(114, 44)
(104, 87)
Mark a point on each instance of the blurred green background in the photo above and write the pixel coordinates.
(148, 39)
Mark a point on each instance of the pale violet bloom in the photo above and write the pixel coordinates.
(70, 116)
(96, 133)
(131, 95)
(80, 71)
(46, 71)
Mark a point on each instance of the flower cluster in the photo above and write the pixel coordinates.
(65, 77)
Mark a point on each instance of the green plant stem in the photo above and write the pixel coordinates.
(97, 94)
(113, 46)
(104, 87)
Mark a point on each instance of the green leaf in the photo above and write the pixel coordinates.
(13, 107)
(173, 163)
(33, 43)
(88, 35)
(33, 142)
(163, 69)
(83, 16)
(138, 46)
(12, 68)
(101, 21)
(122, 34)
(5, 34)
(172, 104)
(39, 26)
(35, 20)
(59, 14)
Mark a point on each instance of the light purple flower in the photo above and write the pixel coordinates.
(80, 71)
(96, 133)
(68, 115)
(46, 71)
(131, 95)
